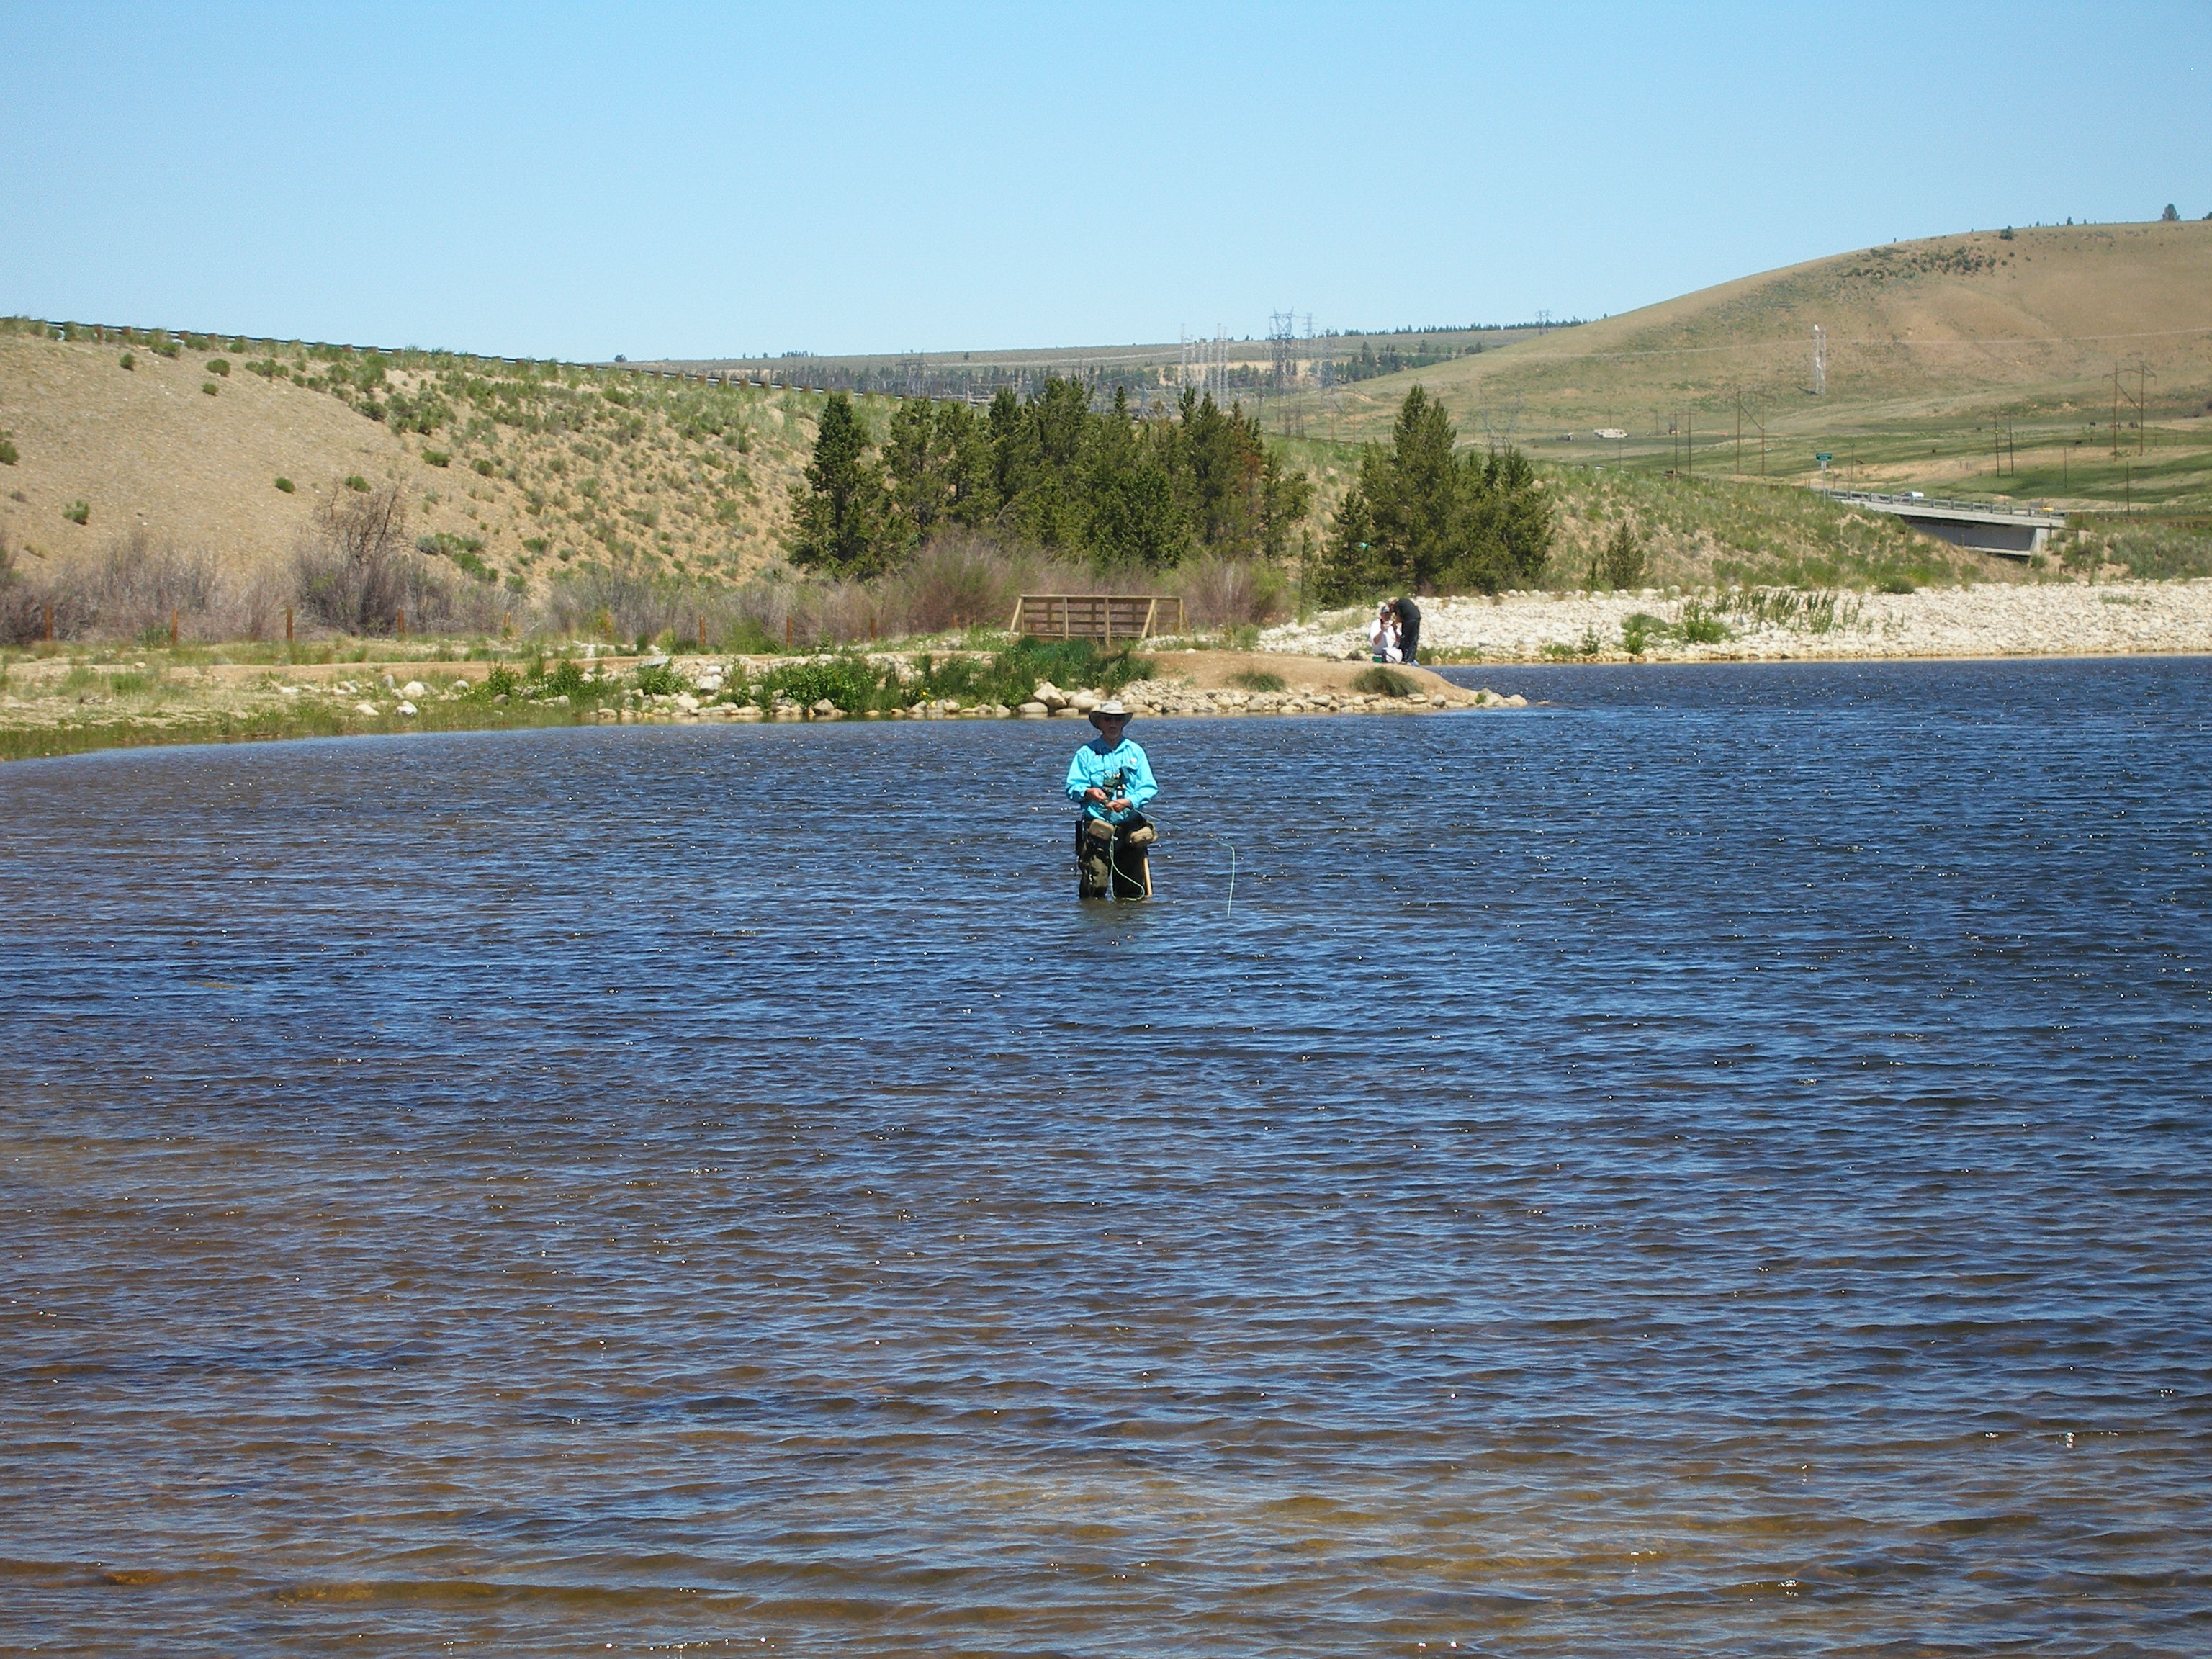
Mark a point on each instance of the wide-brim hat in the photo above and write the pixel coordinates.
(1112, 706)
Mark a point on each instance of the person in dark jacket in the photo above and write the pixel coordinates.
(1409, 629)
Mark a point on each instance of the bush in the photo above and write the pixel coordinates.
(954, 580)
(501, 682)
(850, 682)
(78, 512)
(566, 679)
(350, 573)
(286, 485)
(8, 453)
(1383, 683)
(1637, 633)
(1219, 590)
(219, 366)
(438, 457)
(660, 680)
(1700, 626)
(485, 469)
(1897, 584)
(167, 347)
(209, 387)
(127, 361)
(356, 482)
(1253, 679)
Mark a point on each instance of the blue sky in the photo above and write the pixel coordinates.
(696, 180)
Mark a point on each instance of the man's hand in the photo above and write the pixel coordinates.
(1094, 794)
(1119, 804)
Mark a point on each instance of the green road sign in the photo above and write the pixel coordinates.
(1824, 458)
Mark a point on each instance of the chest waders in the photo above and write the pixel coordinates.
(1111, 859)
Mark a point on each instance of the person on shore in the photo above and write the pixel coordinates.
(1111, 779)
(1409, 630)
(1382, 634)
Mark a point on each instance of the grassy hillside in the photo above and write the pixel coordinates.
(514, 472)
(1941, 354)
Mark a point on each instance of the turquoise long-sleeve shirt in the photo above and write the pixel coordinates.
(1120, 771)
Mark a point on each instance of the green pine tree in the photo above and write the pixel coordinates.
(839, 518)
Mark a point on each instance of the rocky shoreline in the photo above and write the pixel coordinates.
(55, 705)
(2026, 619)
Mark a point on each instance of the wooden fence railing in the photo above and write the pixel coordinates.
(1104, 616)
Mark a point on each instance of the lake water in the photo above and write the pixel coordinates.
(1716, 1166)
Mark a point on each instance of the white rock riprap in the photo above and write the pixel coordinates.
(2028, 619)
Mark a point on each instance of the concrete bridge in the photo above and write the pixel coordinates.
(2011, 532)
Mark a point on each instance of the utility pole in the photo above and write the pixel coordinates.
(2116, 409)
(1820, 360)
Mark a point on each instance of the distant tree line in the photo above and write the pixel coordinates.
(1424, 518)
(1392, 359)
(1120, 489)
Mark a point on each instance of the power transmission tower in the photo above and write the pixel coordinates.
(1283, 357)
(1820, 360)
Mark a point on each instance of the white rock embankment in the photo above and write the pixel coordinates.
(2054, 619)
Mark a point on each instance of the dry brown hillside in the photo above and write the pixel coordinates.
(514, 472)
(1943, 325)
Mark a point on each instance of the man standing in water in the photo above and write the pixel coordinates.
(1110, 780)
(1409, 630)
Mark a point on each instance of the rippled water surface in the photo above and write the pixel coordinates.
(1714, 1165)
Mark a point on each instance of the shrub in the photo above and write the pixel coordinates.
(955, 579)
(1898, 585)
(1636, 634)
(167, 347)
(127, 361)
(1219, 590)
(350, 572)
(219, 366)
(438, 457)
(356, 482)
(501, 682)
(209, 387)
(78, 512)
(267, 368)
(286, 485)
(1700, 626)
(566, 679)
(463, 550)
(1253, 679)
(485, 468)
(8, 453)
(660, 680)
(1383, 683)
(850, 682)
(140, 584)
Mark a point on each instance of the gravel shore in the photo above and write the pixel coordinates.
(2048, 619)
